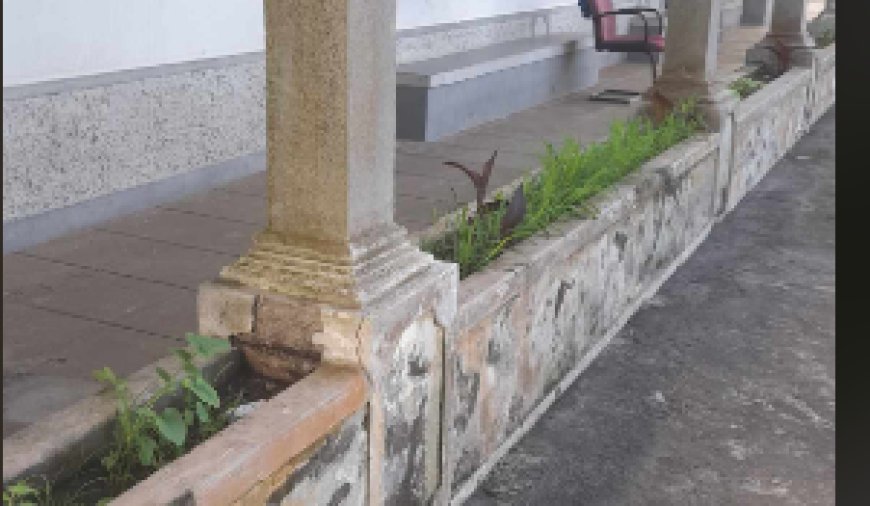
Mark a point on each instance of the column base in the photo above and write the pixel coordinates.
(348, 276)
(714, 100)
(275, 299)
(392, 316)
(779, 52)
(394, 311)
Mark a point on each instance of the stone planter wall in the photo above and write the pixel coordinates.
(533, 320)
(535, 317)
(824, 71)
(455, 399)
(769, 122)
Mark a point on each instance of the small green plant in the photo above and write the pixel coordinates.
(145, 437)
(745, 86)
(568, 178)
(20, 494)
(25, 493)
(825, 39)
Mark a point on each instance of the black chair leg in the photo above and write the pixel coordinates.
(652, 62)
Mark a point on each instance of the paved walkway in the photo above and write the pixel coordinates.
(721, 389)
(124, 292)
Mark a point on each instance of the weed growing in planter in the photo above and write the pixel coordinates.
(147, 435)
(145, 438)
(825, 39)
(745, 86)
(568, 179)
(21, 493)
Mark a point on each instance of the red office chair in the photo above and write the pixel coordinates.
(606, 39)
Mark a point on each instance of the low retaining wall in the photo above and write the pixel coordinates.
(543, 309)
(769, 122)
(459, 389)
(766, 126)
(535, 318)
(824, 74)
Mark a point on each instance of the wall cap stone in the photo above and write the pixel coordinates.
(223, 468)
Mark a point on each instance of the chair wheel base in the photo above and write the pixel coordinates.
(616, 96)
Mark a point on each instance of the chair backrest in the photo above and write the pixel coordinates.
(604, 28)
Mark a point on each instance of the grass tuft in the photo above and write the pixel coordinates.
(745, 86)
(569, 177)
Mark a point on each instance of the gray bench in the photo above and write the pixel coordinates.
(441, 96)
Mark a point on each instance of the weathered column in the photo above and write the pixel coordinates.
(787, 39)
(689, 72)
(332, 277)
(788, 23)
(330, 117)
(824, 21)
(690, 60)
(756, 12)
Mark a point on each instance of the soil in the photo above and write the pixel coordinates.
(249, 386)
(762, 74)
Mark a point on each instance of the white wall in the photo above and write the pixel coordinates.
(416, 13)
(52, 39)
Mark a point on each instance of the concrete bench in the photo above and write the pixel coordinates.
(441, 96)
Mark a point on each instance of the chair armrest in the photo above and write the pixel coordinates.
(639, 12)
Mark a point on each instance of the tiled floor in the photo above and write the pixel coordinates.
(123, 293)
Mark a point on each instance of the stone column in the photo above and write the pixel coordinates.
(690, 59)
(788, 23)
(689, 71)
(332, 277)
(756, 12)
(787, 39)
(330, 116)
(824, 21)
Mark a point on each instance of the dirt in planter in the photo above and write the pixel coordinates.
(249, 386)
(763, 74)
(89, 485)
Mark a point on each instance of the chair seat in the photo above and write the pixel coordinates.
(630, 43)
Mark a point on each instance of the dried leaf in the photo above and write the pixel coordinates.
(515, 213)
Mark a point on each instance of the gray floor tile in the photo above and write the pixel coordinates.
(115, 300)
(21, 273)
(224, 205)
(186, 229)
(38, 341)
(131, 256)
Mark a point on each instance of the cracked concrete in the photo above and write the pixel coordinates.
(721, 389)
